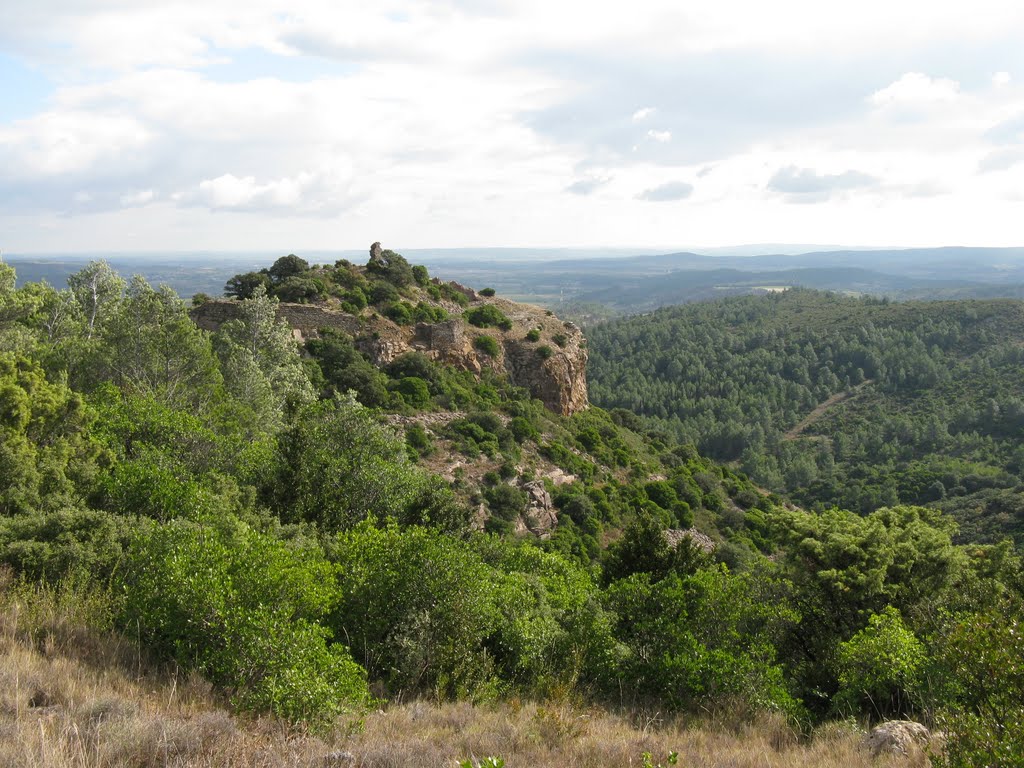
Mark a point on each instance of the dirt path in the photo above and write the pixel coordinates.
(820, 410)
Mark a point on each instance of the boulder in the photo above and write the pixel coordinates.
(896, 737)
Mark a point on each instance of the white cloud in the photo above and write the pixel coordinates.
(805, 185)
(463, 122)
(673, 190)
(142, 197)
(309, 192)
(916, 88)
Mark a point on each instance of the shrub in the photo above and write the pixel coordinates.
(560, 339)
(241, 608)
(419, 274)
(288, 266)
(300, 289)
(67, 542)
(544, 351)
(488, 345)
(487, 316)
(414, 391)
(382, 292)
(417, 606)
(487, 292)
(399, 313)
(533, 334)
(880, 668)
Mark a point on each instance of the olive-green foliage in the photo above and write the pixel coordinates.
(244, 286)
(544, 352)
(344, 369)
(927, 402)
(242, 608)
(149, 346)
(554, 629)
(488, 345)
(981, 662)
(432, 614)
(644, 548)
(487, 316)
(533, 334)
(844, 568)
(48, 457)
(337, 466)
(413, 391)
(260, 361)
(393, 268)
(505, 503)
(701, 638)
(481, 432)
(881, 669)
(488, 292)
(416, 607)
(287, 267)
(65, 543)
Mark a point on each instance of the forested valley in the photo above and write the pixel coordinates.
(317, 537)
(858, 403)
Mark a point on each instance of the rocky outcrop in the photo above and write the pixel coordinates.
(540, 517)
(551, 366)
(700, 540)
(897, 737)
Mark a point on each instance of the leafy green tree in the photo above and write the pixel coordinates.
(881, 669)
(150, 346)
(97, 288)
(338, 466)
(286, 267)
(981, 660)
(48, 457)
(260, 360)
(244, 286)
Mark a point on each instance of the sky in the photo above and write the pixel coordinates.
(143, 125)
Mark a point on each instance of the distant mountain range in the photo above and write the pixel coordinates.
(620, 282)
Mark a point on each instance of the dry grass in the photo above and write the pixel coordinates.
(77, 697)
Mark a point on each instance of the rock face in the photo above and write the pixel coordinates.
(553, 367)
(540, 517)
(896, 737)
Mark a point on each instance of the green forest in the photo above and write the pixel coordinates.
(270, 514)
(858, 403)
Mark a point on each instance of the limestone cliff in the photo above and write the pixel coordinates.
(539, 352)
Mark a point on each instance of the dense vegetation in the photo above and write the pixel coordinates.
(248, 518)
(923, 402)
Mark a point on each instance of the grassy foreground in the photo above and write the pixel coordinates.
(72, 694)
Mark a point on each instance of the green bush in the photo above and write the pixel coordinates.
(488, 292)
(533, 334)
(242, 608)
(560, 339)
(418, 608)
(544, 351)
(64, 543)
(399, 313)
(487, 316)
(488, 345)
(880, 669)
